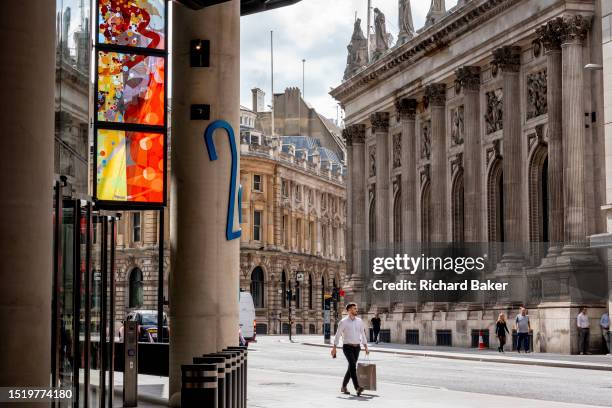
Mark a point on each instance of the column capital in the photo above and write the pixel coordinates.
(406, 109)
(507, 58)
(550, 34)
(575, 28)
(380, 121)
(354, 134)
(468, 78)
(435, 94)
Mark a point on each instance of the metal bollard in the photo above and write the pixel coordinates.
(236, 375)
(199, 386)
(220, 362)
(245, 354)
(228, 376)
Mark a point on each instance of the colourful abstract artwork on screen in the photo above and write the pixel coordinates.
(131, 88)
(130, 104)
(130, 166)
(132, 23)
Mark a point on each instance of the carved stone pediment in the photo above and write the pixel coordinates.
(494, 112)
(536, 94)
(426, 140)
(456, 163)
(457, 126)
(493, 151)
(397, 150)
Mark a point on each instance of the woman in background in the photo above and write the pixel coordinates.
(501, 329)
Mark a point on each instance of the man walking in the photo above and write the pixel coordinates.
(376, 326)
(522, 327)
(604, 323)
(582, 321)
(353, 334)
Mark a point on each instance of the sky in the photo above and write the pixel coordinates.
(315, 30)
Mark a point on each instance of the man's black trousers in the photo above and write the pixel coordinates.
(352, 355)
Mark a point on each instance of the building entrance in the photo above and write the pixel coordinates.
(83, 320)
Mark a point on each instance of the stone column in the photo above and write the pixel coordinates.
(278, 212)
(357, 205)
(468, 81)
(508, 59)
(204, 279)
(406, 109)
(549, 35)
(380, 129)
(573, 33)
(27, 78)
(435, 95)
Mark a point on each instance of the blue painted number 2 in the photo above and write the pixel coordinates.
(234, 202)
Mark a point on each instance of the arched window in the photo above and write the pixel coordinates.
(495, 202)
(458, 208)
(372, 221)
(426, 213)
(322, 292)
(310, 294)
(397, 217)
(284, 289)
(538, 196)
(136, 288)
(257, 287)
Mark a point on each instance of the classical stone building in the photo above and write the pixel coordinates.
(485, 127)
(293, 213)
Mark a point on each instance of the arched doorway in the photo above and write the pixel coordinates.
(136, 289)
(257, 287)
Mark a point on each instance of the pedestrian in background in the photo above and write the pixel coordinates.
(501, 328)
(604, 323)
(582, 321)
(352, 331)
(522, 327)
(376, 327)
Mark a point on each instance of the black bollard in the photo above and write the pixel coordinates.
(220, 362)
(245, 354)
(199, 386)
(228, 377)
(236, 375)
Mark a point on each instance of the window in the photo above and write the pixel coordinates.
(285, 189)
(284, 289)
(257, 182)
(310, 291)
(298, 193)
(298, 233)
(257, 225)
(257, 287)
(136, 227)
(286, 231)
(136, 289)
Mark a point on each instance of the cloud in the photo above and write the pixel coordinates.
(316, 30)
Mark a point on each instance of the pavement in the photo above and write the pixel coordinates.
(588, 362)
(299, 375)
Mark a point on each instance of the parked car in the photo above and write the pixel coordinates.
(247, 318)
(147, 325)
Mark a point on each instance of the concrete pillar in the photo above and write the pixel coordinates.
(468, 80)
(436, 98)
(204, 276)
(508, 59)
(549, 36)
(573, 34)
(380, 129)
(27, 77)
(406, 109)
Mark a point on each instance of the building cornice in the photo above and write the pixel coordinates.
(432, 38)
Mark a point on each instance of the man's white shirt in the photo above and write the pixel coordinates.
(583, 321)
(352, 331)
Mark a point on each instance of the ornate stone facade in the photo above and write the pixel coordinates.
(503, 152)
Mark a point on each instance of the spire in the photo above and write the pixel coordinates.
(437, 10)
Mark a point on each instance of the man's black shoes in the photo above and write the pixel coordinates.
(344, 390)
(359, 391)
